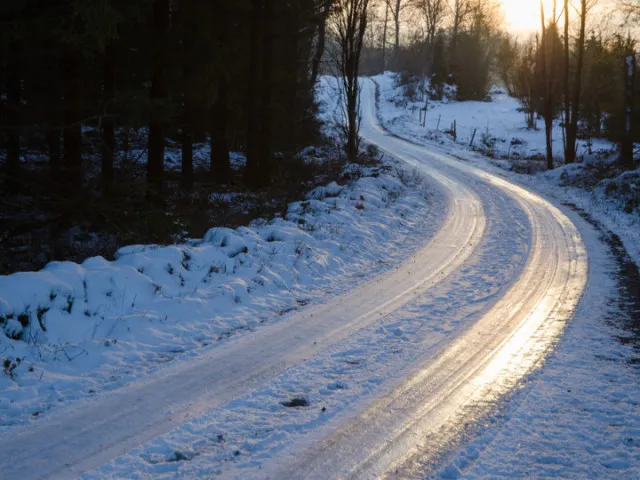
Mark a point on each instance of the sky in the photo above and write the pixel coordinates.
(523, 16)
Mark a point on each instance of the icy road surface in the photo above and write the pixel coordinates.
(399, 365)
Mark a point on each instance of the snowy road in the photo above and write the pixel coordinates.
(504, 322)
(403, 432)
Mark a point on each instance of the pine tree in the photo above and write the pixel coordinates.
(159, 98)
(219, 113)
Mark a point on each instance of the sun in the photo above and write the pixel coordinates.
(523, 16)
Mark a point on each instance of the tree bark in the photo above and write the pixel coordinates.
(187, 157)
(54, 146)
(567, 91)
(384, 37)
(547, 81)
(14, 107)
(72, 132)
(626, 150)
(293, 41)
(572, 128)
(54, 120)
(351, 25)
(254, 141)
(108, 122)
(158, 96)
(189, 107)
(396, 19)
(220, 161)
(264, 166)
(319, 52)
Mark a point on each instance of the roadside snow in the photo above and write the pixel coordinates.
(73, 330)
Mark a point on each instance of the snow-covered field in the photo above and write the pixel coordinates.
(579, 416)
(499, 126)
(75, 330)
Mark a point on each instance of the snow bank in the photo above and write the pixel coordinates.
(71, 330)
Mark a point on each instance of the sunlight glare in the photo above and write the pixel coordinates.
(523, 16)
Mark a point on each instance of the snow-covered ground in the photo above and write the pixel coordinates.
(499, 126)
(579, 416)
(75, 330)
(615, 206)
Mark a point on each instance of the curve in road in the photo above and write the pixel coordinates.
(402, 434)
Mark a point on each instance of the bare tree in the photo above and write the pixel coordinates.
(630, 7)
(460, 11)
(384, 35)
(396, 7)
(350, 24)
(433, 14)
(572, 98)
(547, 59)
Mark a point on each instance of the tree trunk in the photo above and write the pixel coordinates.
(626, 150)
(189, 107)
(54, 146)
(14, 107)
(72, 132)
(319, 52)
(54, 120)
(548, 130)
(351, 27)
(264, 166)
(453, 45)
(254, 141)
(352, 136)
(397, 25)
(220, 161)
(293, 56)
(384, 38)
(547, 81)
(108, 122)
(572, 128)
(187, 158)
(567, 91)
(158, 96)
(572, 134)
